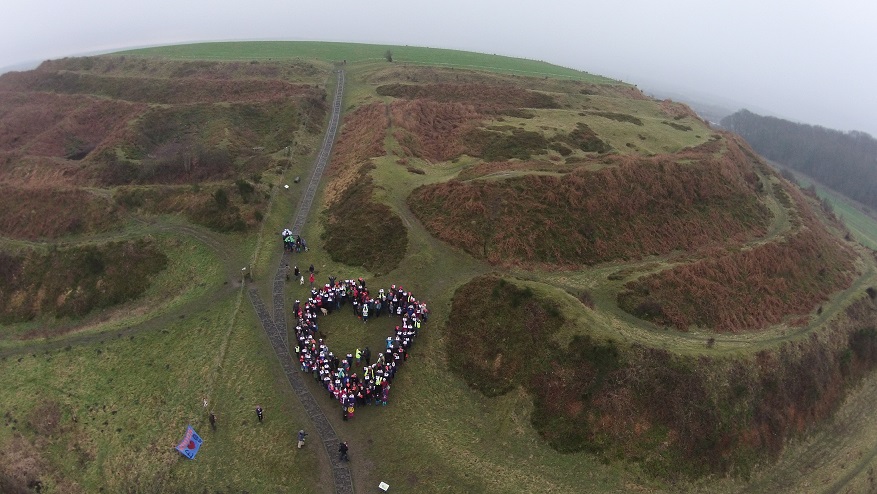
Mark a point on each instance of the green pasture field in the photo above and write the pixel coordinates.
(860, 220)
(363, 53)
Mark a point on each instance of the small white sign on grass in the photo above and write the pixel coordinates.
(383, 486)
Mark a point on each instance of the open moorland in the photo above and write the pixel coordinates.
(621, 298)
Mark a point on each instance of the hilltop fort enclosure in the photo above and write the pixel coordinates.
(619, 297)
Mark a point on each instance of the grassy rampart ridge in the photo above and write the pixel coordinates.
(678, 415)
(632, 208)
(71, 282)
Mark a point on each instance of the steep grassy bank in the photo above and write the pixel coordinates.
(629, 209)
(71, 282)
(359, 230)
(677, 415)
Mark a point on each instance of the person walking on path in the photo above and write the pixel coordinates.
(301, 438)
(259, 412)
(342, 452)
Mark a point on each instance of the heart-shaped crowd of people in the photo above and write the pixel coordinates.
(341, 374)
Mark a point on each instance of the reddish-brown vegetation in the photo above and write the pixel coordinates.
(95, 110)
(218, 207)
(41, 172)
(71, 282)
(677, 111)
(749, 289)
(51, 213)
(49, 124)
(359, 230)
(486, 168)
(193, 69)
(392, 74)
(22, 468)
(633, 208)
(361, 139)
(678, 415)
(744, 290)
(432, 130)
(155, 90)
(482, 96)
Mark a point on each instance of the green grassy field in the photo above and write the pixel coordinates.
(122, 405)
(363, 53)
(860, 220)
(106, 412)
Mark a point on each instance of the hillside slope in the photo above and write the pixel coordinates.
(843, 161)
(621, 298)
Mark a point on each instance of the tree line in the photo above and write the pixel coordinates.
(843, 161)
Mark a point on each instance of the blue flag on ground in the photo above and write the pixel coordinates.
(190, 444)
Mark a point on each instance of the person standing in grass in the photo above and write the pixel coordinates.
(259, 412)
(301, 438)
(213, 421)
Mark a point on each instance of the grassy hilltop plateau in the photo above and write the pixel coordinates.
(622, 298)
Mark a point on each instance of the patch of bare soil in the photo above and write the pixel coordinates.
(21, 467)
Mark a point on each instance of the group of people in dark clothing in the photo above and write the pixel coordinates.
(356, 379)
(292, 243)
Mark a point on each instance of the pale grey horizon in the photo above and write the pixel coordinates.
(809, 62)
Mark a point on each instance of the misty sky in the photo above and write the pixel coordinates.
(808, 61)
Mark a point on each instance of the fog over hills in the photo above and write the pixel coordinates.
(805, 62)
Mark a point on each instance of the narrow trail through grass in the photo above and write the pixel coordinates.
(276, 327)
